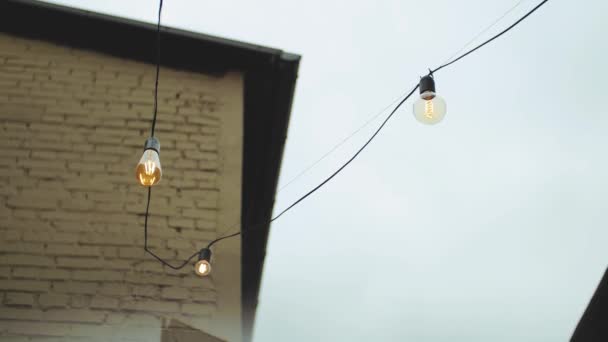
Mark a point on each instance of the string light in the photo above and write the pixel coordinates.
(148, 171)
(202, 267)
(431, 110)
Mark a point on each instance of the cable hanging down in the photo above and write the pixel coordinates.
(205, 253)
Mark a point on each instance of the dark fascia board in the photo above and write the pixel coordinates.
(270, 78)
(593, 325)
(133, 39)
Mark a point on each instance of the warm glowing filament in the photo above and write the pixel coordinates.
(202, 268)
(149, 167)
(428, 109)
(148, 170)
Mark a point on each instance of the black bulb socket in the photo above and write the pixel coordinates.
(427, 84)
(152, 144)
(204, 254)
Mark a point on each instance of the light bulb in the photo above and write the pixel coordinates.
(202, 267)
(148, 170)
(430, 111)
(430, 108)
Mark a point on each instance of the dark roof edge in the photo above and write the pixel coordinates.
(592, 325)
(269, 130)
(132, 39)
(146, 25)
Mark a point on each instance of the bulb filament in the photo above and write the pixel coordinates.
(428, 109)
(149, 167)
(148, 170)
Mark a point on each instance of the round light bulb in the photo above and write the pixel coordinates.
(430, 108)
(148, 171)
(202, 268)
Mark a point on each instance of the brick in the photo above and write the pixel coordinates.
(26, 314)
(205, 295)
(27, 214)
(203, 120)
(23, 259)
(153, 306)
(179, 244)
(37, 329)
(101, 302)
(10, 235)
(79, 301)
(179, 222)
(53, 300)
(25, 285)
(90, 167)
(79, 262)
(147, 278)
(42, 164)
(56, 193)
(198, 194)
(97, 275)
(185, 164)
(206, 225)
(107, 239)
(145, 290)
(200, 214)
(14, 153)
(77, 287)
(114, 289)
(35, 203)
(195, 282)
(197, 309)
(5, 272)
(49, 236)
(110, 252)
(131, 252)
(22, 247)
(18, 339)
(74, 315)
(19, 299)
(77, 205)
(199, 155)
(72, 250)
(134, 319)
(175, 293)
(75, 226)
(40, 273)
(207, 203)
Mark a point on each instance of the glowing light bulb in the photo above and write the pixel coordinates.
(202, 267)
(148, 171)
(430, 108)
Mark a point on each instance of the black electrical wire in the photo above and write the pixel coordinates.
(160, 10)
(148, 250)
(491, 39)
(340, 169)
(146, 239)
(253, 227)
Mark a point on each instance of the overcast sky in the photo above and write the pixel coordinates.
(490, 226)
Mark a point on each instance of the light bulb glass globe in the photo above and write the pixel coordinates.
(430, 109)
(148, 171)
(202, 268)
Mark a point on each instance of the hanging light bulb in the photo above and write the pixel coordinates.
(148, 171)
(202, 267)
(430, 108)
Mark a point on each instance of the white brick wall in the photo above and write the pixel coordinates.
(72, 126)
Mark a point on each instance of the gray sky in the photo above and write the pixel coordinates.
(487, 227)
